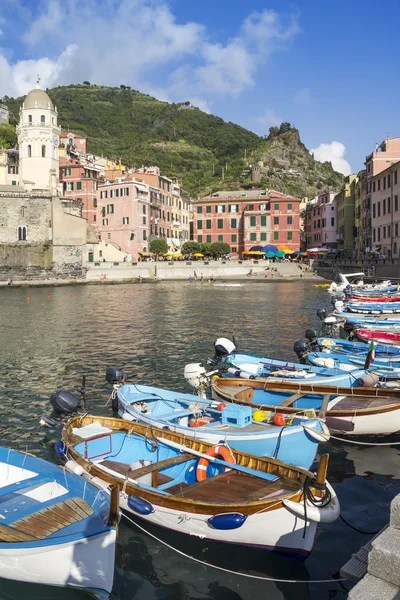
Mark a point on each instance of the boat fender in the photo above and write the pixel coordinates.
(368, 380)
(73, 467)
(279, 419)
(227, 521)
(139, 505)
(261, 415)
(326, 514)
(221, 406)
(320, 436)
(61, 449)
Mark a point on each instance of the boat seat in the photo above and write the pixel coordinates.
(174, 414)
(125, 469)
(46, 521)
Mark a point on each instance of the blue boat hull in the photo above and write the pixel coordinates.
(293, 444)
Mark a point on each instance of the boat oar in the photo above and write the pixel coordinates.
(218, 461)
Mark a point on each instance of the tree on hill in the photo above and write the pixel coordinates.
(191, 247)
(158, 246)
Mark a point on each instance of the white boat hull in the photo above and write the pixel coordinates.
(86, 564)
(278, 530)
(383, 423)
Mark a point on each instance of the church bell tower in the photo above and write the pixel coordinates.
(38, 140)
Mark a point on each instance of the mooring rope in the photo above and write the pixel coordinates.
(248, 575)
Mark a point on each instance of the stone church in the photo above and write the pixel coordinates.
(42, 234)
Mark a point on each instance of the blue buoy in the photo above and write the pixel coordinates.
(227, 521)
(61, 449)
(140, 505)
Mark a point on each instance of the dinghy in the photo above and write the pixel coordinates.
(373, 307)
(250, 367)
(382, 337)
(294, 442)
(212, 492)
(55, 528)
(368, 411)
(385, 370)
(359, 349)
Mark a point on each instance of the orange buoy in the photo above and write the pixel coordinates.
(222, 452)
(48, 297)
(28, 298)
(124, 291)
(107, 292)
(279, 419)
(89, 294)
(70, 294)
(221, 406)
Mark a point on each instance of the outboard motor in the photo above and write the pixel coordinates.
(64, 405)
(114, 375)
(312, 335)
(339, 305)
(321, 314)
(197, 377)
(222, 348)
(302, 348)
(333, 301)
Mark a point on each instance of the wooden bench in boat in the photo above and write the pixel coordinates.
(157, 478)
(47, 521)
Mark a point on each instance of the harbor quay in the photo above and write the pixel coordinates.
(119, 272)
(382, 578)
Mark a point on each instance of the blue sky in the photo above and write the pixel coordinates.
(331, 71)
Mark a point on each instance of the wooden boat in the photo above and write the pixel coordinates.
(294, 442)
(250, 367)
(380, 336)
(360, 349)
(239, 498)
(373, 307)
(383, 368)
(55, 529)
(362, 411)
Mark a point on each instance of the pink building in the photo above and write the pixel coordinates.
(323, 221)
(384, 155)
(124, 216)
(246, 219)
(385, 195)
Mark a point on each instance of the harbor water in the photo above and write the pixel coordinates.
(51, 337)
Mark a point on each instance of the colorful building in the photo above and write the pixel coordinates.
(80, 180)
(360, 188)
(345, 201)
(384, 155)
(124, 216)
(323, 222)
(246, 219)
(384, 197)
(9, 167)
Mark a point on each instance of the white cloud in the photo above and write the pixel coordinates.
(269, 119)
(141, 44)
(333, 152)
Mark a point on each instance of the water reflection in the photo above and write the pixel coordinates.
(49, 343)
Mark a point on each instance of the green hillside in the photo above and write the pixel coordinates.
(203, 151)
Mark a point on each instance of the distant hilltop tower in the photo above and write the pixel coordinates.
(38, 140)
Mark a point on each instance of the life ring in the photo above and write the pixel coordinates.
(222, 452)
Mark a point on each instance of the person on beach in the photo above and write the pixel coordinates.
(10, 282)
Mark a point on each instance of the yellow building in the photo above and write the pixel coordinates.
(345, 200)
